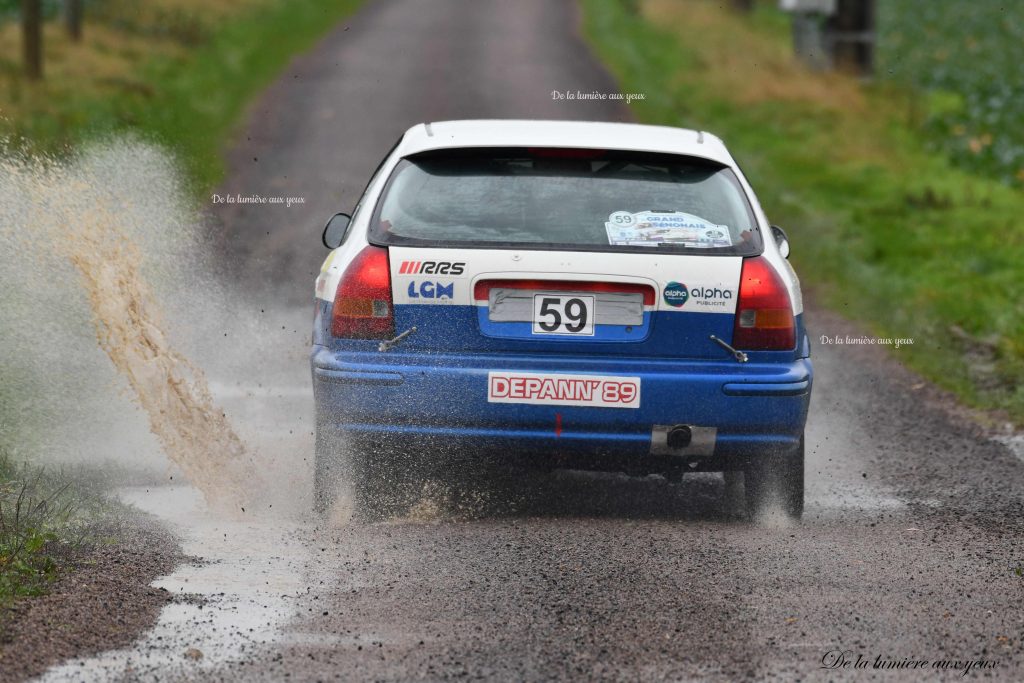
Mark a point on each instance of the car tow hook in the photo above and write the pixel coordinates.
(390, 343)
(736, 353)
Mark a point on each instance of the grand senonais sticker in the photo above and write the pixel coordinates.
(651, 228)
(599, 391)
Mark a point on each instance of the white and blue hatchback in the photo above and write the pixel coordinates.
(601, 295)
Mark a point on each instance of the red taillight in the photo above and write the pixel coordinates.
(363, 307)
(764, 314)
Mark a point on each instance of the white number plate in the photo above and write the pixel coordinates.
(563, 314)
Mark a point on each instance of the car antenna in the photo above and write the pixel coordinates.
(700, 137)
(430, 132)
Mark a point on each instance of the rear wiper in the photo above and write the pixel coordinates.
(387, 345)
(736, 353)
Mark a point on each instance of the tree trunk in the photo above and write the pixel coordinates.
(73, 14)
(32, 37)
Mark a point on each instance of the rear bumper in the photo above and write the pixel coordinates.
(753, 407)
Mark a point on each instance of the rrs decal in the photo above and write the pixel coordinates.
(431, 268)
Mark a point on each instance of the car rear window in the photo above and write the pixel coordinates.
(580, 199)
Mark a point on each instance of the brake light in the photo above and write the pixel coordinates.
(764, 314)
(565, 153)
(363, 307)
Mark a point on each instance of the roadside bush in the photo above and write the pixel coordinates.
(38, 528)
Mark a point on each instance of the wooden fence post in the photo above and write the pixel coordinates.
(851, 33)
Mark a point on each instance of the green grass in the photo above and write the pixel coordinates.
(39, 525)
(50, 517)
(965, 55)
(185, 88)
(199, 102)
(883, 230)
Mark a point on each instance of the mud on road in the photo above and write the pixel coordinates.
(910, 546)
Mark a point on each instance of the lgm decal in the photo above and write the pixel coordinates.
(428, 290)
(599, 391)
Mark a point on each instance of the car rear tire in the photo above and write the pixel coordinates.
(378, 481)
(776, 482)
(327, 468)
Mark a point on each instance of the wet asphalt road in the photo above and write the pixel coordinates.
(912, 535)
(903, 553)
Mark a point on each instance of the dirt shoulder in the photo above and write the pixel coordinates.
(104, 601)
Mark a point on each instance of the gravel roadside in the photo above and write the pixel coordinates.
(103, 601)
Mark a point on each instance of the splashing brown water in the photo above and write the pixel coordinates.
(193, 432)
(84, 214)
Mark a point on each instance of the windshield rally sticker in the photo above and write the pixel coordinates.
(563, 390)
(651, 228)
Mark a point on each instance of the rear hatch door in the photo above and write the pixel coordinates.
(554, 302)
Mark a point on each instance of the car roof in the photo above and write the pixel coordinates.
(567, 134)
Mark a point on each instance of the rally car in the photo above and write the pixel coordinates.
(598, 295)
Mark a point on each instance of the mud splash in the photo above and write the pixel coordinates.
(70, 214)
(192, 430)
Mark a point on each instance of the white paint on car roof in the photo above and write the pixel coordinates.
(573, 134)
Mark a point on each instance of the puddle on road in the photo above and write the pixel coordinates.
(1015, 443)
(835, 479)
(846, 496)
(111, 305)
(840, 442)
(247, 584)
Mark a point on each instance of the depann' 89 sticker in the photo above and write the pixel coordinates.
(651, 228)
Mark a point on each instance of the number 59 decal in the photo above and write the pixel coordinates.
(563, 314)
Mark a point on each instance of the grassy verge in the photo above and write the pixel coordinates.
(965, 55)
(40, 527)
(883, 230)
(179, 72)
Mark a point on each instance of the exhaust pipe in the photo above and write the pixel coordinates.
(682, 439)
(679, 437)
